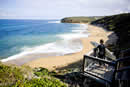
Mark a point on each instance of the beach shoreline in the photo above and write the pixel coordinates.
(66, 42)
(53, 62)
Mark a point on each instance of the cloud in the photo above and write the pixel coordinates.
(128, 7)
(61, 8)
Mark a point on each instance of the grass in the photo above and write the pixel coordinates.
(40, 82)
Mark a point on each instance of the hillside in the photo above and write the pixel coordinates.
(80, 19)
(120, 24)
(24, 76)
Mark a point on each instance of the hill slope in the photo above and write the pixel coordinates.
(24, 76)
(120, 24)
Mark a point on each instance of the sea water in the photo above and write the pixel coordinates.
(22, 37)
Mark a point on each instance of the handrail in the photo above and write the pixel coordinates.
(98, 77)
(123, 69)
(125, 50)
(123, 59)
(114, 64)
(100, 60)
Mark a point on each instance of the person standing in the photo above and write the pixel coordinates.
(101, 50)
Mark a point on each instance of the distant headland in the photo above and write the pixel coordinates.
(80, 19)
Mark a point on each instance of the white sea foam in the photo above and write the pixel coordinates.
(60, 47)
(77, 33)
(74, 36)
(54, 22)
(69, 44)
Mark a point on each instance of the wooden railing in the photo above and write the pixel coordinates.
(117, 66)
(90, 59)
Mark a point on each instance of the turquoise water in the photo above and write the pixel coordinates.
(18, 35)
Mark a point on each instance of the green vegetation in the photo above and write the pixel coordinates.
(80, 19)
(120, 24)
(40, 82)
(23, 76)
(41, 72)
(11, 74)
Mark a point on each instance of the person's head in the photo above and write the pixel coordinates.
(101, 41)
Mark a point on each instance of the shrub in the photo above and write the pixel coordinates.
(42, 82)
(14, 76)
(41, 71)
(9, 74)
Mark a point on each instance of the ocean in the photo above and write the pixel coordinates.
(24, 37)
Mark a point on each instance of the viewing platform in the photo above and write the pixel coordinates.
(109, 72)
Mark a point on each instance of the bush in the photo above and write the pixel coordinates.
(14, 76)
(42, 82)
(41, 71)
(10, 74)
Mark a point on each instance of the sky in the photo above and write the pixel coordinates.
(57, 9)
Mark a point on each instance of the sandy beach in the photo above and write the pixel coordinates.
(96, 33)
